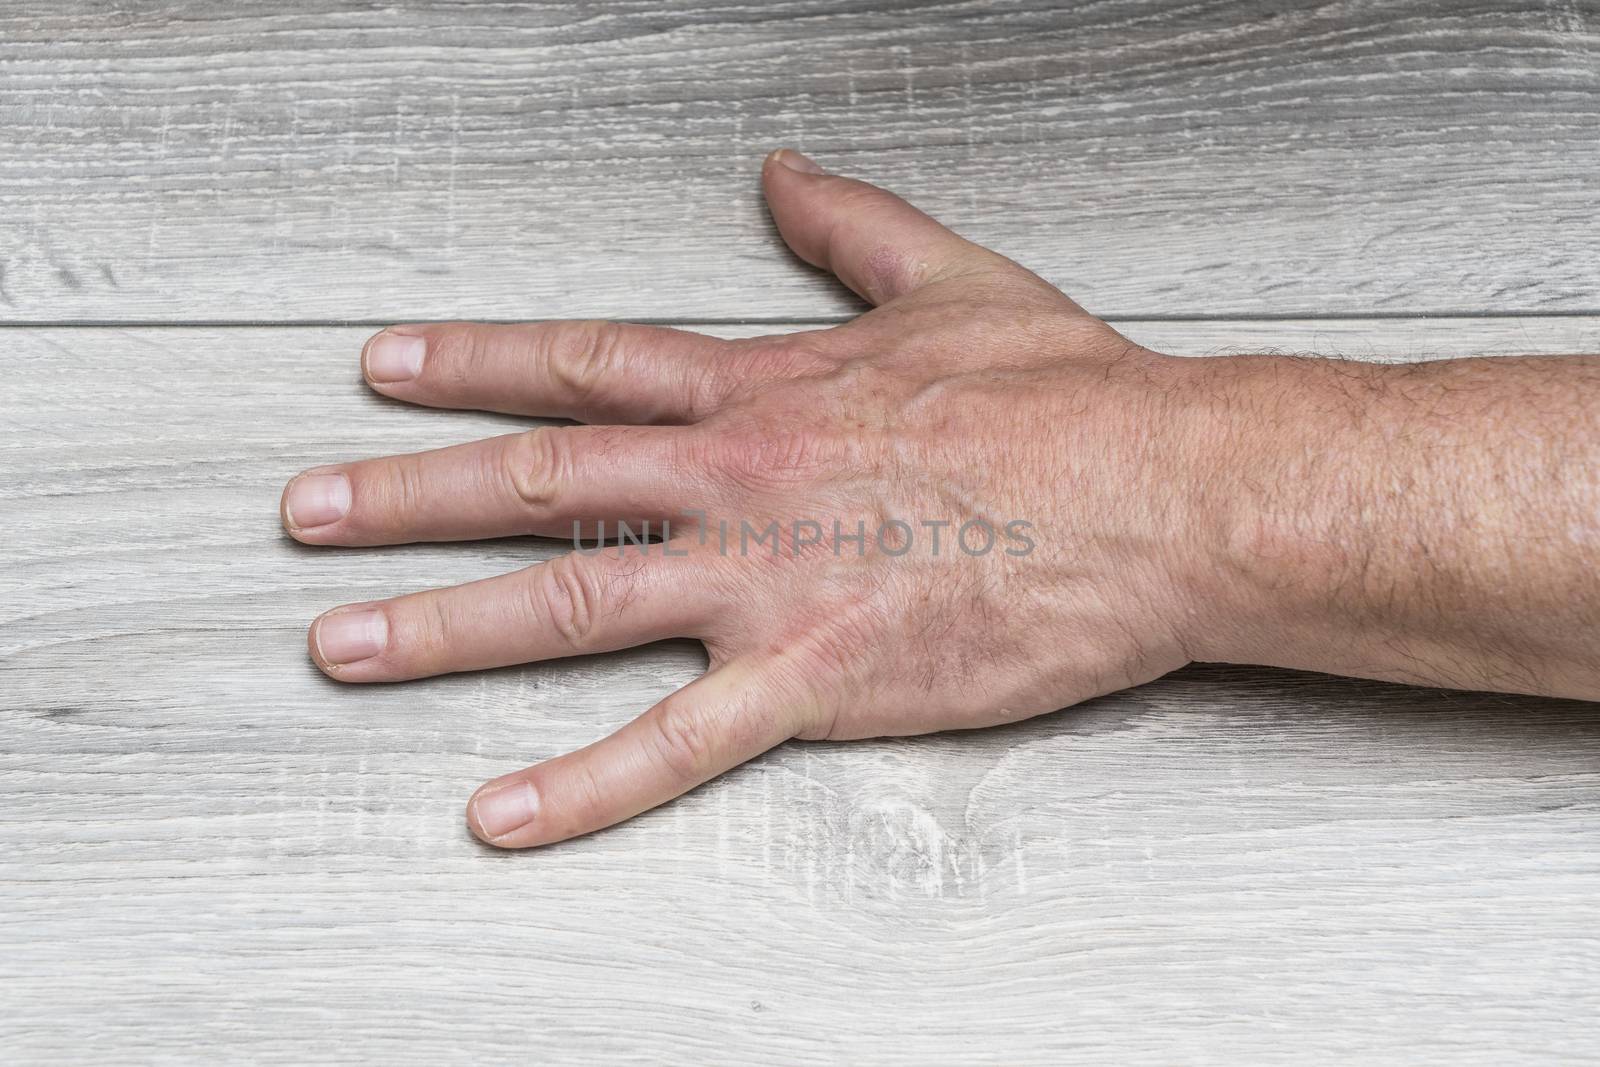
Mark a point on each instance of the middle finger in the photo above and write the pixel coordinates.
(536, 482)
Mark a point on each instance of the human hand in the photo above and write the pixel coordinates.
(975, 407)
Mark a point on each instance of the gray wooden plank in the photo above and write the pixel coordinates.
(209, 851)
(322, 160)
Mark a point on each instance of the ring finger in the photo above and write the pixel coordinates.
(571, 605)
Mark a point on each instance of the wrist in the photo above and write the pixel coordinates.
(1266, 475)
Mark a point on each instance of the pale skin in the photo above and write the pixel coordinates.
(1436, 524)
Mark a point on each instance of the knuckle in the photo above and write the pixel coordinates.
(805, 351)
(436, 630)
(401, 496)
(534, 465)
(806, 354)
(853, 198)
(749, 366)
(686, 739)
(585, 796)
(581, 356)
(767, 457)
(708, 385)
(566, 598)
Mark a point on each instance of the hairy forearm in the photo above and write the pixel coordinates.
(1436, 523)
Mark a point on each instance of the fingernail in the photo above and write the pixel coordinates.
(500, 811)
(351, 636)
(316, 500)
(394, 357)
(795, 161)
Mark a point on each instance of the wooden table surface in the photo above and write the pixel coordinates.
(209, 852)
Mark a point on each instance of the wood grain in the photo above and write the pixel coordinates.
(209, 852)
(325, 160)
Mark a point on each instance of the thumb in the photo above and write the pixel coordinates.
(875, 242)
